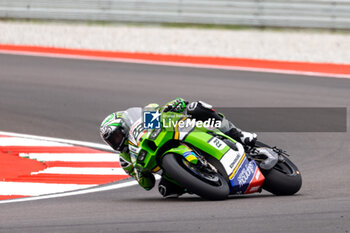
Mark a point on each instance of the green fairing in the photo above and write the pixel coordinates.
(201, 137)
(181, 150)
(198, 137)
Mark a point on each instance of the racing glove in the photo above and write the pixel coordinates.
(177, 105)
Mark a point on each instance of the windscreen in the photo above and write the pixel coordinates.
(133, 114)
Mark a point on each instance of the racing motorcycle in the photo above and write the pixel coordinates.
(207, 162)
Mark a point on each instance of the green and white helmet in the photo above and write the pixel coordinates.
(114, 130)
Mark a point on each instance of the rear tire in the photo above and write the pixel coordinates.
(175, 168)
(283, 179)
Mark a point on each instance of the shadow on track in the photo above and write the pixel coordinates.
(194, 198)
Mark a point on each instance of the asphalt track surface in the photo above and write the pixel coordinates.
(68, 98)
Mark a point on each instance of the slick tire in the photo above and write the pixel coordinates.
(174, 167)
(283, 179)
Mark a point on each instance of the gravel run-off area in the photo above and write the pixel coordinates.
(273, 44)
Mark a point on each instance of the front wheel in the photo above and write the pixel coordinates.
(207, 185)
(283, 179)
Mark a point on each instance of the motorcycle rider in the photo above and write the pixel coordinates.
(115, 131)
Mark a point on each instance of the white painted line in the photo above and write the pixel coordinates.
(73, 157)
(92, 190)
(36, 189)
(82, 171)
(61, 140)
(9, 141)
(179, 64)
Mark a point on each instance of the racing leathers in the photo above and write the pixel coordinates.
(198, 110)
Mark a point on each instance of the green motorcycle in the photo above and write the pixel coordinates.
(206, 162)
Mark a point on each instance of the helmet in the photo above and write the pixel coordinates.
(114, 131)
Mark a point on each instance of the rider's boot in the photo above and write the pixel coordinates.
(237, 134)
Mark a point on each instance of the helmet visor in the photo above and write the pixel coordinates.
(116, 139)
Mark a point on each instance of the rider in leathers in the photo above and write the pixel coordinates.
(115, 132)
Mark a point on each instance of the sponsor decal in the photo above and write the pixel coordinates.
(243, 177)
(256, 183)
(237, 165)
(257, 175)
(192, 106)
(134, 149)
(230, 161)
(137, 131)
(187, 153)
(232, 165)
(246, 174)
(155, 133)
(254, 189)
(190, 156)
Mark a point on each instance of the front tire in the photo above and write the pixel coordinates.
(283, 179)
(174, 166)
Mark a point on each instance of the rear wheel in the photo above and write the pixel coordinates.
(283, 179)
(209, 185)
